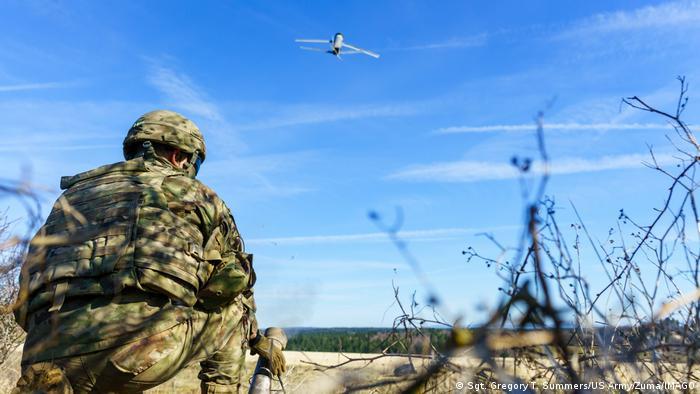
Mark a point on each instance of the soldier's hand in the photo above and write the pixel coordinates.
(270, 351)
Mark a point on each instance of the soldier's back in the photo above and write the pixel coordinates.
(127, 248)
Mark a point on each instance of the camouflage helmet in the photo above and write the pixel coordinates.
(165, 127)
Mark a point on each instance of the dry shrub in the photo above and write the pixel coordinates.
(554, 331)
(13, 245)
(11, 335)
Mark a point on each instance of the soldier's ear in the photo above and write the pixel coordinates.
(175, 157)
(172, 156)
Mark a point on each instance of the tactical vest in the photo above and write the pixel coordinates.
(113, 228)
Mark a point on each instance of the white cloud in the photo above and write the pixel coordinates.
(673, 15)
(21, 137)
(416, 235)
(296, 263)
(239, 166)
(477, 40)
(183, 93)
(281, 115)
(32, 86)
(253, 173)
(55, 121)
(43, 147)
(474, 171)
(553, 126)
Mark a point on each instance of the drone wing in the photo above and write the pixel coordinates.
(366, 52)
(313, 41)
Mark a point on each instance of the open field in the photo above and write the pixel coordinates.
(300, 377)
(304, 377)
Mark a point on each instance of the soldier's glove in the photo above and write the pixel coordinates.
(270, 351)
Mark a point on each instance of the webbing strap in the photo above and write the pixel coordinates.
(59, 296)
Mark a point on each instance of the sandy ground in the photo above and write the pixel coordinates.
(301, 376)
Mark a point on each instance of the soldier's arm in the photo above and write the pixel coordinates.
(231, 268)
(236, 246)
(224, 370)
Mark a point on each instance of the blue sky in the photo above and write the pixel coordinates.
(302, 146)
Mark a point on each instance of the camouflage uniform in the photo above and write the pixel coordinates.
(138, 271)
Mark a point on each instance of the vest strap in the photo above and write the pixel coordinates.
(59, 296)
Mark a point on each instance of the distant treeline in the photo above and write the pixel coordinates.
(375, 340)
(365, 340)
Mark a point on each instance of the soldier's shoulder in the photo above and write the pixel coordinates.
(118, 167)
(194, 189)
(212, 208)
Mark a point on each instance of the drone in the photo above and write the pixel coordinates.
(337, 45)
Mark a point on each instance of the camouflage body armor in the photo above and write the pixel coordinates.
(136, 238)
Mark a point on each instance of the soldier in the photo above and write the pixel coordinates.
(138, 272)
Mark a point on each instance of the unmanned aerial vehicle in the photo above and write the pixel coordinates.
(337, 45)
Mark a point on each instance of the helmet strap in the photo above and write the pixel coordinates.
(147, 151)
(192, 169)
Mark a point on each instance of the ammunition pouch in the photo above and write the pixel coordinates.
(230, 278)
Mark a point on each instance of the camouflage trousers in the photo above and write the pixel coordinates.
(213, 340)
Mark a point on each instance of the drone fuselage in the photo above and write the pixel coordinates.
(337, 43)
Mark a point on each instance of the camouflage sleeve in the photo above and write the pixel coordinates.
(221, 237)
(249, 309)
(232, 268)
(232, 241)
(236, 246)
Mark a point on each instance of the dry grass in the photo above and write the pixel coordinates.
(303, 377)
(9, 370)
